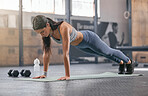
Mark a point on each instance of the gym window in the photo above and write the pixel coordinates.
(11, 50)
(33, 33)
(84, 8)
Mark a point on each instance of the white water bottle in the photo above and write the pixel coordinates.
(36, 67)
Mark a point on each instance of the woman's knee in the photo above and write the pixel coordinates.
(111, 52)
(107, 52)
(116, 51)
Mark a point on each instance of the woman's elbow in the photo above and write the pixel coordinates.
(45, 55)
(66, 55)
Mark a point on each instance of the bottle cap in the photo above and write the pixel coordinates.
(36, 61)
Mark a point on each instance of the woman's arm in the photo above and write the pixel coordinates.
(46, 57)
(66, 45)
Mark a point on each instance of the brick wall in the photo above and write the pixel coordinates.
(9, 45)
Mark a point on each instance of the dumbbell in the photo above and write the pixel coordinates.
(13, 73)
(25, 73)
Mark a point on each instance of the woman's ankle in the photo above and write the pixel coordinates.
(129, 62)
(121, 62)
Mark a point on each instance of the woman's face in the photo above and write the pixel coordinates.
(45, 31)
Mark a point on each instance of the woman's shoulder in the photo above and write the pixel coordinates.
(65, 25)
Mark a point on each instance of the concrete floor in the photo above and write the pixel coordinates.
(118, 86)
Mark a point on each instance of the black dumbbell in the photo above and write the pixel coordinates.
(13, 73)
(25, 73)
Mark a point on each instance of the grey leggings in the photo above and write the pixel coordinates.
(92, 44)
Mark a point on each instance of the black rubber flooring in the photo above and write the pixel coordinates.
(118, 86)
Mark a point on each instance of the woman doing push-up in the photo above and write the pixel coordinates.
(87, 41)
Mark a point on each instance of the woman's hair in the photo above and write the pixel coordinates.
(39, 22)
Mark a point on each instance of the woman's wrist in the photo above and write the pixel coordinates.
(45, 73)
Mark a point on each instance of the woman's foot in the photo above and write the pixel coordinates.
(121, 69)
(130, 67)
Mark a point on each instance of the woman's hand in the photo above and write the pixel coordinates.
(39, 77)
(64, 78)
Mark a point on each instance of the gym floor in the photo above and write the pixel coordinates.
(117, 86)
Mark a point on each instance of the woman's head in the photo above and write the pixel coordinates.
(41, 25)
(44, 26)
(39, 22)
